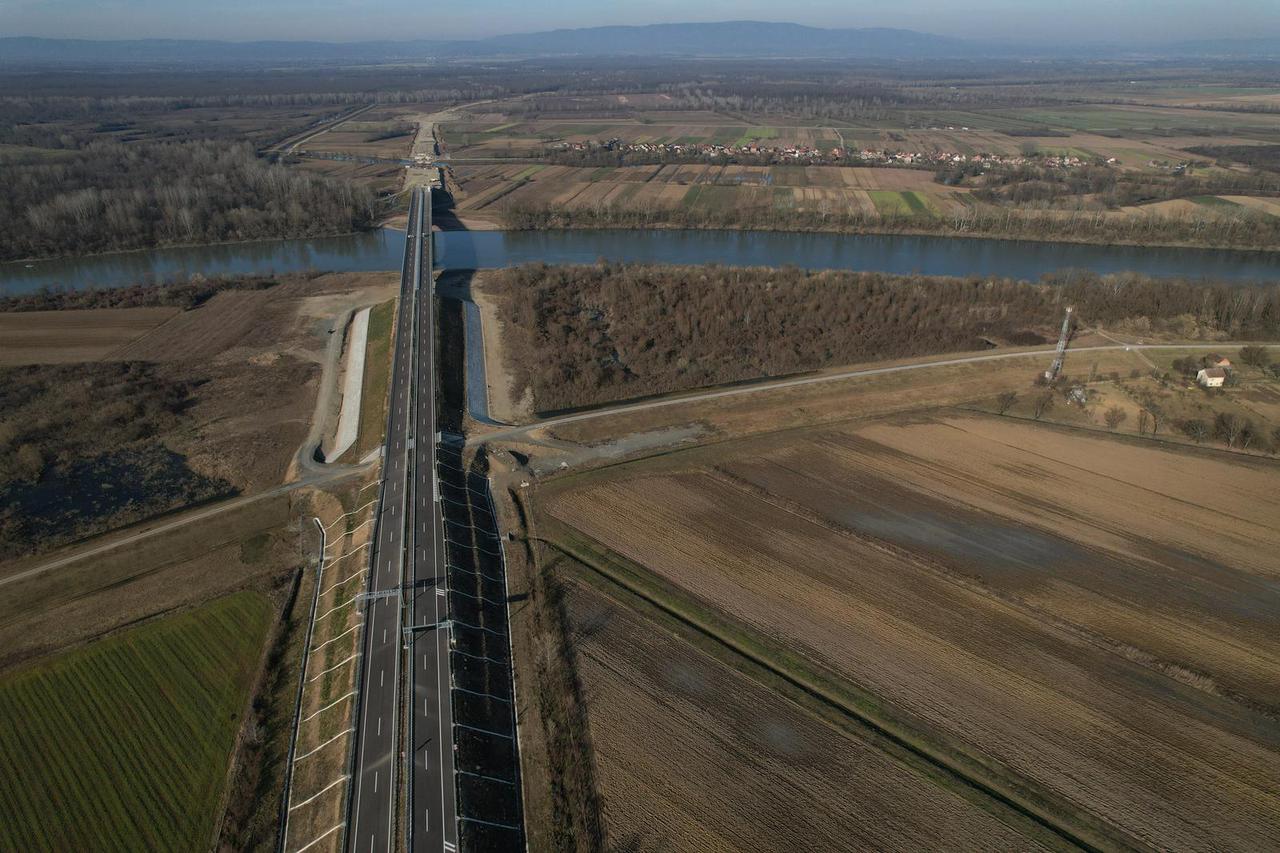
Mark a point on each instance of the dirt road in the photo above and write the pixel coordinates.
(514, 432)
(192, 517)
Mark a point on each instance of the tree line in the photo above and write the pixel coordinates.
(1258, 156)
(1229, 226)
(110, 196)
(581, 335)
(1107, 187)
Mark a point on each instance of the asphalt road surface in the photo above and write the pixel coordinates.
(373, 793)
(407, 556)
(434, 824)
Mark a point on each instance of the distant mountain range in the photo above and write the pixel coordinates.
(749, 39)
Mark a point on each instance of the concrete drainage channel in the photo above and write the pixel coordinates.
(352, 386)
(487, 760)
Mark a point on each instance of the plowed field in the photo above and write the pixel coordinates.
(692, 755)
(1094, 616)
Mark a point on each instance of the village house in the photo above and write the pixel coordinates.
(1211, 377)
(810, 154)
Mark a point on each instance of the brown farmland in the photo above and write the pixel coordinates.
(690, 753)
(1098, 619)
(60, 337)
(259, 353)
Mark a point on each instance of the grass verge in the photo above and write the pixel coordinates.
(377, 379)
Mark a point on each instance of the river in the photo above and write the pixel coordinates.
(382, 250)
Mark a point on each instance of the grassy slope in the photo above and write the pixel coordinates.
(377, 376)
(123, 744)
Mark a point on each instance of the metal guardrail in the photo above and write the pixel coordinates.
(283, 834)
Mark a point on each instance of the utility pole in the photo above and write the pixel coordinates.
(1052, 373)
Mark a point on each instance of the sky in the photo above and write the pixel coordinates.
(1109, 21)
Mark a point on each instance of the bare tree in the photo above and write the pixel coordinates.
(1156, 414)
(1043, 404)
(1005, 401)
(1144, 421)
(1255, 356)
(1195, 429)
(1115, 416)
(1227, 427)
(1248, 435)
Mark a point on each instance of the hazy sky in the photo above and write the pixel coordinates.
(349, 20)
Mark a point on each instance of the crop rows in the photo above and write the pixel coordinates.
(123, 744)
(999, 639)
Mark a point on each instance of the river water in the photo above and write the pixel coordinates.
(382, 250)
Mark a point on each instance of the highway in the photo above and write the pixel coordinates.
(431, 786)
(373, 792)
(407, 559)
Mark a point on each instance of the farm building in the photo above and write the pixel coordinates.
(1211, 377)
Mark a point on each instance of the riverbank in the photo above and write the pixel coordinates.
(1093, 228)
(358, 251)
(160, 247)
(898, 254)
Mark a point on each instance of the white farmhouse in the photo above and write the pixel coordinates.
(1211, 377)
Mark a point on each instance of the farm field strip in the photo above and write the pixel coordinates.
(44, 612)
(1038, 697)
(55, 337)
(131, 734)
(896, 192)
(758, 770)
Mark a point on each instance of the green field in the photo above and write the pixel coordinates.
(123, 744)
(1213, 201)
(756, 134)
(899, 203)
